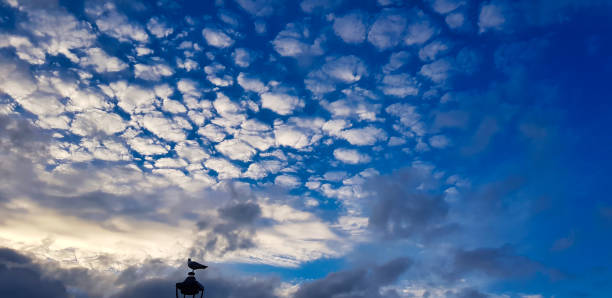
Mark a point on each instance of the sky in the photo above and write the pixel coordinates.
(314, 148)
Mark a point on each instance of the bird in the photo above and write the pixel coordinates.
(195, 265)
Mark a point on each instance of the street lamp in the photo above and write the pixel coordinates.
(190, 286)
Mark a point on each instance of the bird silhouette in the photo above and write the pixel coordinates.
(195, 265)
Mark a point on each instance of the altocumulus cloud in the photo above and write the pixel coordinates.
(303, 149)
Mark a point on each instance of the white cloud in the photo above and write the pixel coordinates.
(387, 30)
(132, 98)
(291, 42)
(101, 61)
(446, 6)
(249, 83)
(143, 51)
(400, 85)
(167, 162)
(281, 103)
(346, 69)
(88, 237)
(236, 150)
(224, 106)
(173, 106)
(24, 49)
(310, 6)
(51, 122)
(191, 95)
(439, 141)
(287, 46)
(289, 181)
(335, 126)
(80, 98)
(455, 20)
(70, 152)
(242, 57)
(319, 83)
(395, 141)
(106, 149)
(368, 135)
(198, 117)
(262, 169)
(212, 132)
(396, 61)
(191, 151)
(15, 81)
(419, 32)
(115, 24)
(224, 168)
(59, 32)
(297, 136)
(163, 91)
(217, 38)
(215, 75)
(491, 16)
(159, 28)
(42, 104)
(187, 64)
(229, 18)
(163, 127)
(345, 192)
(298, 237)
(408, 117)
(350, 27)
(432, 50)
(261, 141)
(437, 71)
(152, 72)
(260, 8)
(93, 121)
(256, 134)
(147, 146)
(352, 106)
(351, 156)
(389, 2)
(260, 26)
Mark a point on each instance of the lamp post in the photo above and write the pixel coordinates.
(190, 286)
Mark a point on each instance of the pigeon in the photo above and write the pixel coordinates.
(195, 265)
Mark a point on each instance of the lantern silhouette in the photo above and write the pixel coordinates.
(190, 286)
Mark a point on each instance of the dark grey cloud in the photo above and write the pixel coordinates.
(493, 197)
(18, 282)
(234, 229)
(21, 146)
(467, 293)
(499, 262)
(20, 278)
(8, 255)
(399, 209)
(214, 287)
(241, 214)
(20, 135)
(359, 282)
(151, 288)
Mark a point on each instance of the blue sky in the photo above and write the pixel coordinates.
(434, 148)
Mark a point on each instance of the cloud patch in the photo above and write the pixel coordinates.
(217, 38)
(351, 156)
(387, 30)
(351, 27)
(281, 103)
